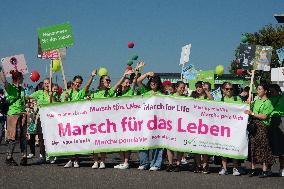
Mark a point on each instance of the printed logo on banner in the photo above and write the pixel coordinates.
(16, 62)
(247, 54)
(56, 37)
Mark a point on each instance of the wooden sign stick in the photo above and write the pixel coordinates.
(62, 71)
(250, 87)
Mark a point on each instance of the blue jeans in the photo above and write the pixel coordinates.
(157, 158)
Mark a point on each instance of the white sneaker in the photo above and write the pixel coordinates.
(183, 161)
(53, 160)
(236, 172)
(76, 164)
(102, 165)
(30, 156)
(223, 172)
(141, 167)
(124, 166)
(68, 164)
(117, 166)
(281, 172)
(154, 169)
(96, 165)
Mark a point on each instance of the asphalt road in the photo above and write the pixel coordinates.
(55, 176)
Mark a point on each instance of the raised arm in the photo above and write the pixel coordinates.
(142, 77)
(127, 72)
(137, 71)
(3, 78)
(90, 80)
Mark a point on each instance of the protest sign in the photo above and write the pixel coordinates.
(55, 37)
(137, 123)
(280, 53)
(262, 58)
(277, 74)
(16, 62)
(247, 54)
(185, 52)
(189, 72)
(205, 76)
(217, 94)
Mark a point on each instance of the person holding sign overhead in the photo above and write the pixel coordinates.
(16, 116)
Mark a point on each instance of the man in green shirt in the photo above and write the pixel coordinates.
(16, 116)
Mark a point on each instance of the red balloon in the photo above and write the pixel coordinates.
(34, 76)
(240, 71)
(130, 45)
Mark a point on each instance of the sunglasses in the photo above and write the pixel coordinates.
(108, 80)
(228, 89)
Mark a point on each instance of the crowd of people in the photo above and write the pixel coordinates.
(19, 114)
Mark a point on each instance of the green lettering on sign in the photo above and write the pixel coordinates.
(55, 37)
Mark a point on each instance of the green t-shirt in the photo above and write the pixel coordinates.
(175, 95)
(144, 92)
(263, 107)
(74, 95)
(19, 105)
(41, 97)
(101, 93)
(278, 103)
(233, 99)
(128, 92)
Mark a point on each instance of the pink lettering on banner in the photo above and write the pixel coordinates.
(131, 123)
(93, 128)
(160, 123)
(204, 129)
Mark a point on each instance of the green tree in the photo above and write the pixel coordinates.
(267, 36)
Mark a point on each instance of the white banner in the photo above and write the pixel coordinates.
(136, 123)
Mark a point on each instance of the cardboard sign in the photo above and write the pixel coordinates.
(247, 54)
(16, 62)
(262, 58)
(185, 52)
(56, 37)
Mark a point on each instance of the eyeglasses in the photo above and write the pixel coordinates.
(108, 80)
(228, 89)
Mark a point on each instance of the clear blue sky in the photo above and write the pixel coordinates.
(159, 29)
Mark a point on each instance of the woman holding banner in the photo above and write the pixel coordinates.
(180, 89)
(127, 89)
(16, 116)
(42, 96)
(153, 87)
(203, 93)
(227, 96)
(259, 149)
(276, 129)
(75, 94)
(103, 91)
